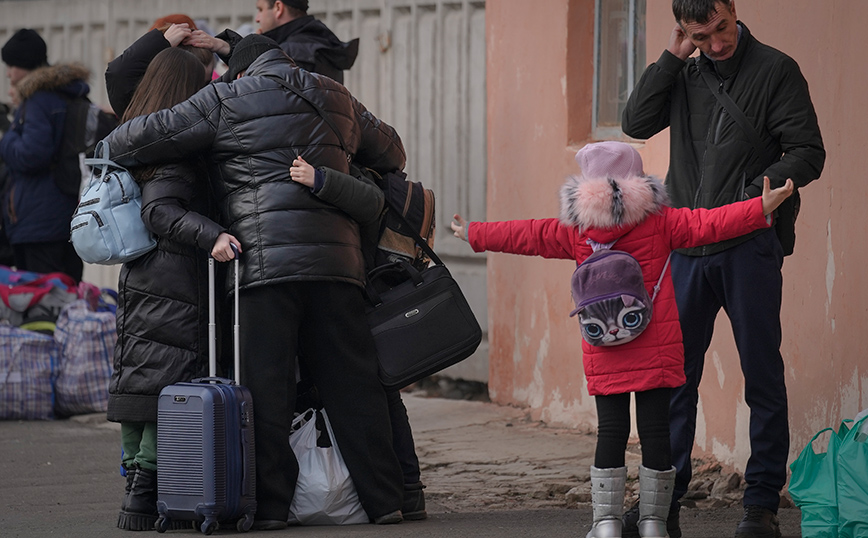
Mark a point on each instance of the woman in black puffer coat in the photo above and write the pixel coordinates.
(162, 319)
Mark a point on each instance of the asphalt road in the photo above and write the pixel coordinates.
(58, 478)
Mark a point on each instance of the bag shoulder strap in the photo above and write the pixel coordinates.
(322, 113)
(414, 234)
(716, 87)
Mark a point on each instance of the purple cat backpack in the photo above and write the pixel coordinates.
(612, 303)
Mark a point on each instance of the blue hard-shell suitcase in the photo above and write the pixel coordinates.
(206, 465)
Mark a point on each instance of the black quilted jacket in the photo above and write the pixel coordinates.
(712, 162)
(251, 129)
(162, 313)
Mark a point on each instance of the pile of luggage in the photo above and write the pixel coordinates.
(56, 345)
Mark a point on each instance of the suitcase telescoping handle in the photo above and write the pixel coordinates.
(212, 324)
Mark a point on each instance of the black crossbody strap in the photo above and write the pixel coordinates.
(318, 109)
(418, 238)
(716, 88)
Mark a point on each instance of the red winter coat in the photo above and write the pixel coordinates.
(634, 211)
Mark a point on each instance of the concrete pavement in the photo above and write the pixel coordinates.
(489, 471)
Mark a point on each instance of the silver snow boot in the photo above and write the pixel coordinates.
(655, 496)
(607, 497)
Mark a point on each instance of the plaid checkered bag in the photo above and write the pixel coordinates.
(28, 362)
(86, 339)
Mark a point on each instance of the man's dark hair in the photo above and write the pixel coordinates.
(696, 10)
(294, 10)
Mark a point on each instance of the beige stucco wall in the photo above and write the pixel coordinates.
(540, 75)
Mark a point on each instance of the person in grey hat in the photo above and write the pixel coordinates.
(302, 267)
(613, 204)
(36, 213)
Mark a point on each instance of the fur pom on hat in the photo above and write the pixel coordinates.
(612, 191)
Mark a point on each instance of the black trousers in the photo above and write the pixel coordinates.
(51, 257)
(746, 282)
(323, 322)
(613, 429)
(402, 438)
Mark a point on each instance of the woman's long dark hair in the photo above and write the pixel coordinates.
(172, 76)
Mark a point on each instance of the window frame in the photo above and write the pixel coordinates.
(607, 132)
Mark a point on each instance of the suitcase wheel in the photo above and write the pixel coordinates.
(162, 524)
(244, 524)
(209, 525)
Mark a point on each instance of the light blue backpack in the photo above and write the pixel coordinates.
(107, 226)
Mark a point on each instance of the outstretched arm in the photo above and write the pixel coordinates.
(459, 227)
(772, 198)
(547, 238)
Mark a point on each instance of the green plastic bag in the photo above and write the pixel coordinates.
(852, 481)
(813, 486)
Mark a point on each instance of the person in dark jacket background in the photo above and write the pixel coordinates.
(36, 213)
(302, 269)
(162, 320)
(713, 162)
(308, 41)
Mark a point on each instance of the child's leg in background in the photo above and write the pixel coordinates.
(139, 508)
(139, 442)
(131, 439)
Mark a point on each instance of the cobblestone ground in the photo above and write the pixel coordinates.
(512, 462)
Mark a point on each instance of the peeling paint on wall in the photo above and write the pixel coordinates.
(534, 393)
(718, 366)
(735, 449)
(851, 391)
(830, 270)
(699, 438)
(571, 414)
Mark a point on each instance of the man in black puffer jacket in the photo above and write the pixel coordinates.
(302, 270)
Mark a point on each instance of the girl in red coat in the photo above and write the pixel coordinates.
(614, 201)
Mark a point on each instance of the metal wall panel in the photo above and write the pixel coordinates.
(421, 68)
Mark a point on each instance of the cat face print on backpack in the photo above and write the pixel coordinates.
(614, 321)
(612, 303)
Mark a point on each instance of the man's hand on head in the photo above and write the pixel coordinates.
(679, 44)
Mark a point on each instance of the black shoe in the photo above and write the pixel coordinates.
(758, 522)
(141, 503)
(414, 502)
(131, 474)
(630, 520)
(389, 519)
(269, 525)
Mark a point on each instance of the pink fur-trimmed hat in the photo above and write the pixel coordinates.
(610, 159)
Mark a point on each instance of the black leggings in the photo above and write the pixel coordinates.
(652, 420)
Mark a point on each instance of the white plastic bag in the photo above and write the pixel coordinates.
(324, 493)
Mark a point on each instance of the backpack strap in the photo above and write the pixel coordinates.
(414, 234)
(662, 274)
(600, 246)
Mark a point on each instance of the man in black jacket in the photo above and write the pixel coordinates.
(302, 269)
(715, 161)
(307, 41)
